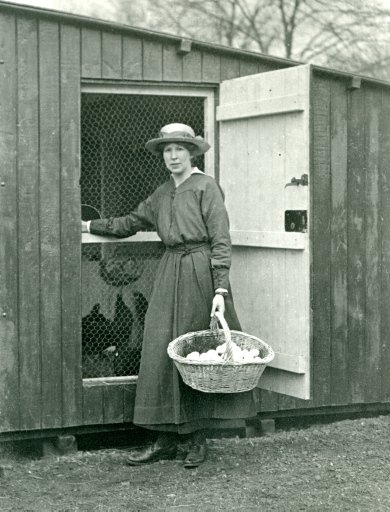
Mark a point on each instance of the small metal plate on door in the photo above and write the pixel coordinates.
(295, 220)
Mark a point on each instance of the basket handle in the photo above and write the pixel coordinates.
(218, 316)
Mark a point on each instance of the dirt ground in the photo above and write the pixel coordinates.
(339, 466)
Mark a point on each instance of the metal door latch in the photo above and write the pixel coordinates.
(295, 220)
(303, 180)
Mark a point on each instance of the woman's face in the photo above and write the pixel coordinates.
(177, 158)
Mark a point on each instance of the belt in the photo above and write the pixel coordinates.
(184, 250)
(187, 248)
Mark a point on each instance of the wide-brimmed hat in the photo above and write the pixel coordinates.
(177, 132)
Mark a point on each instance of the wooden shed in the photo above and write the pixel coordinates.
(303, 155)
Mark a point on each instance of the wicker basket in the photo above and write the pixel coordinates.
(219, 376)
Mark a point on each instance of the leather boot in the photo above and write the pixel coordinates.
(198, 451)
(163, 449)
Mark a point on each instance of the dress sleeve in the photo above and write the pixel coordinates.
(217, 223)
(121, 227)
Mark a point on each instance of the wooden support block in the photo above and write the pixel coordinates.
(258, 427)
(267, 426)
(60, 445)
(48, 448)
(252, 430)
(66, 444)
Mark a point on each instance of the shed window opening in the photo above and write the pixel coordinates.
(117, 173)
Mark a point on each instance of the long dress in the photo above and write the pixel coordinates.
(192, 222)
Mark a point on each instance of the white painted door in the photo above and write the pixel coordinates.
(264, 144)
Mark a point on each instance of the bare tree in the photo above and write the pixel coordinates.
(347, 34)
(230, 22)
(352, 35)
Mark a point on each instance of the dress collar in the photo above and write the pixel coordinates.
(195, 170)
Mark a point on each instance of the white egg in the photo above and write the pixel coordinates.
(254, 352)
(221, 348)
(237, 358)
(212, 353)
(193, 356)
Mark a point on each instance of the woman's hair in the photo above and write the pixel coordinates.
(190, 147)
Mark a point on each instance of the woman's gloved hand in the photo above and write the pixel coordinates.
(218, 304)
(84, 226)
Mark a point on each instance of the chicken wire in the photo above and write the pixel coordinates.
(117, 172)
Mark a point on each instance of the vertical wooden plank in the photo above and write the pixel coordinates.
(339, 245)
(371, 358)
(384, 170)
(230, 67)
(132, 58)
(128, 402)
(113, 402)
(91, 53)
(172, 64)
(111, 55)
(70, 232)
(296, 268)
(320, 231)
(356, 246)
(264, 67)
(28, 239)
(211, 67)
(50, 227)
(93, 405)
(192, 67)
(269, 401)
(9, 378)
(152, 60)
(248, 67)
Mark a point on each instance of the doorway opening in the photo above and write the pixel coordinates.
(117, 173)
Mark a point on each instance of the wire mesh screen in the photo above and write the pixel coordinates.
(116, 174)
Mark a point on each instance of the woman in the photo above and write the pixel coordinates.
(192, 283)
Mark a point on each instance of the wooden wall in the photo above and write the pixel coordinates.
(350, 228)
(43, 61)
(40, 300)
(115, 56)
(351, 268)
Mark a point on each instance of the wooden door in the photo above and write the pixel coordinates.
(264, 144)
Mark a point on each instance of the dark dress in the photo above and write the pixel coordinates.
(192, 222)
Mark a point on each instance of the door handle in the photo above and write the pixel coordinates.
(303, 180)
